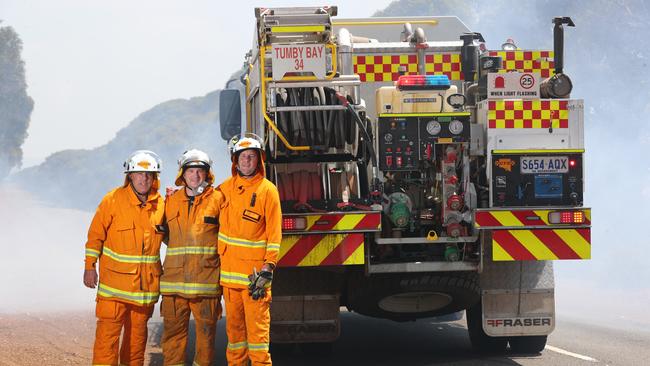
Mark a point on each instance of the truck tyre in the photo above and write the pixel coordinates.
(482, 342)
(528, 344)
(414, 296)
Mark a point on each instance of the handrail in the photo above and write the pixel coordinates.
(249, 118)
(384, 22)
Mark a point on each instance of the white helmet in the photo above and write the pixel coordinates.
(246, 141)
(143, 161)
(196, 159)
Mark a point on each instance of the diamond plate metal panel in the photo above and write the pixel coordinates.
(513, 276)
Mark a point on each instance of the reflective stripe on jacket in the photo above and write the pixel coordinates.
(123, 237)
(191, 267)
(250, 227)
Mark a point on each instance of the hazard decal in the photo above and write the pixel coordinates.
(542, 244)
(321, 250)
(519, 218)
(528, 114)
(386, 67)
(527, 61)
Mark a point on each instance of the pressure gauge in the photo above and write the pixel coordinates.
(456, 127)
(433, 127)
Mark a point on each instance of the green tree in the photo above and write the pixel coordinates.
(15, 105)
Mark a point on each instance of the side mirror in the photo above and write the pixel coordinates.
(229, 113)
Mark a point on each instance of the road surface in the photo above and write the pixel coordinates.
(66, 339)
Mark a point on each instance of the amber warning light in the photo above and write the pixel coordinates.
(566, 217)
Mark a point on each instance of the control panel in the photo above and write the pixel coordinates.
(405, 141)
(398, 143)
(537, 179)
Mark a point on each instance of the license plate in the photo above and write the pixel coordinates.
(544, 164)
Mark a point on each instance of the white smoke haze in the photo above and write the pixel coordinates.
(604, 305)
(41, 264)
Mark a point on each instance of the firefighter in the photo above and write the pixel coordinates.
(249, 241)
(124, 238)
(190, 282)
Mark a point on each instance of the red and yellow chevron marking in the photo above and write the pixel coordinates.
(528, 113)
(386, 67)
(527, 61)
(344, 222)
(542, 244)
(321, 250)
(518, 218)
(444, 64)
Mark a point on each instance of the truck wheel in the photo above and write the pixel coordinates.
(413, 296)
(528, 344)
(482, 342)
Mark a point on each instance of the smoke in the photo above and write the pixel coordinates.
(42, 248)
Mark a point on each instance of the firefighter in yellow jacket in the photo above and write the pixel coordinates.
(190, 282)
(124, 237)
(249, 241)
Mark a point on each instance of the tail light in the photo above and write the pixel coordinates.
(566, 217)
(294, 223)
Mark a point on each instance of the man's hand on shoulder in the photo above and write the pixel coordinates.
(170, 190)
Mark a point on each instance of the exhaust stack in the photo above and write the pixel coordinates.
(559, 85)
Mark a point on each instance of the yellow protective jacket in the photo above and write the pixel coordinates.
(123, 236)
(191, 266)
(250, 229)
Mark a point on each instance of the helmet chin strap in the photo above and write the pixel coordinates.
(244, 175)
(198, 190)
(141, 196)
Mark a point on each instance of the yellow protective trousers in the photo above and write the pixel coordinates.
(247, 324)
(112, 317)
(176, 317)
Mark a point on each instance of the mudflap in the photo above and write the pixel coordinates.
(305, 319)
(518, 298)
(518, 314)
(306, 304)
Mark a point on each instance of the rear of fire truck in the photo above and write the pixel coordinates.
(420, 174)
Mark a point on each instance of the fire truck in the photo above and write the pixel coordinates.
(421, 174)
